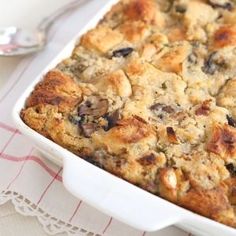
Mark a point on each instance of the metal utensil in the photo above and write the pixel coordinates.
(16, 41)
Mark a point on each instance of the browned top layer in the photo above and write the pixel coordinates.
(150, 95)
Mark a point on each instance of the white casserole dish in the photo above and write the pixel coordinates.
(104, 191)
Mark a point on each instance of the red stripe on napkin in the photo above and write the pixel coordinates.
(35, 159)
(9, 128)
(108, 225)
(75, 211)
(7, 143)
(49, 185)
(21, 168)
(28, 158)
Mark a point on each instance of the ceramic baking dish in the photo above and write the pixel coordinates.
(104, 191)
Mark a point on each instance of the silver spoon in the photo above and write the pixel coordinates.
(15, 41)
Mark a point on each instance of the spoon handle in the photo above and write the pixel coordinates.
(46, 23)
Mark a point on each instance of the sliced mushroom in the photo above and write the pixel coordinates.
(210, 67)
(123, 52)
(204, 109)
(95, 106)
(94, 161)
(224, 4)
(90, 110)
(180, 8)
(231, 168)
(166, 108)
(162, 110)
(88, 129)
(231, 121)
(193, 58)
(112, 119)
(156, 106)
(147, 160)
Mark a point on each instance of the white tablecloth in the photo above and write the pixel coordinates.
(23, 13)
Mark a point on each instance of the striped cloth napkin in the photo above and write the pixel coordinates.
(32, 183)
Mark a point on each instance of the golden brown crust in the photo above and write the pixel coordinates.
(145, 10)
(177, 34)
(126, 136)
(57, 90)
(230, 189)
(117, 82)
(172, 60)
(225, 36)
(150, 96)
(36, 117)
(131, 130)
(102, 39)
(211, 203)
(223, 141)
(168, 184)
(134, 31)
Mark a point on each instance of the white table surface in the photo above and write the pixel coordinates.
(23, 13)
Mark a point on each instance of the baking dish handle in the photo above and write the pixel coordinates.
(117, 197)
(199, 225)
